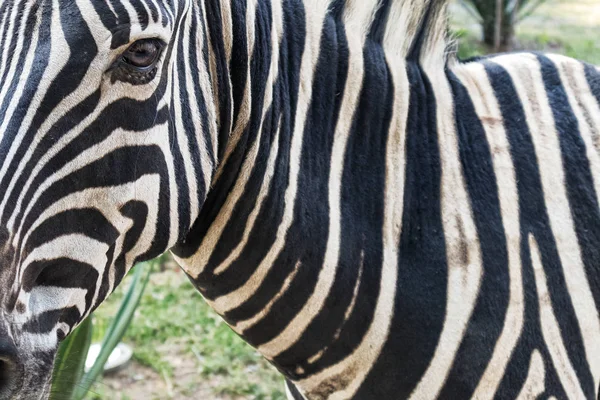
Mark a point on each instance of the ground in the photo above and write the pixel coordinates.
(182, 350)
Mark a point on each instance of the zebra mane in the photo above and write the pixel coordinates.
(416, 29)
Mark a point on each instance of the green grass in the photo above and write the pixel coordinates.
(173, 323)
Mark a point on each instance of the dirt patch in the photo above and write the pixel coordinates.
(182, 348)
(137, 381)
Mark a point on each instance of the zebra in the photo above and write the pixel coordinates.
(378, 218)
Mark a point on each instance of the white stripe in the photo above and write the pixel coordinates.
(262, 195)
(180, 79)
(529, 84)
(358, 17)
(582, 100)
(474, 78)
(134, 22)
(53, 69)
(84, 90)
(309, 61)
(227, 33)
(206, 164)
(75, 246)
(49, 298)
(400, 33)
(46, 341)
(357, 365)
(551, 330)
(296, 328)
(200, 259)
(314, 359)
(243, 117)
(535, 383)
(264, 191)
(113, 142)
(15, 42)
(464, 271)
(227, 29)
(8, 21)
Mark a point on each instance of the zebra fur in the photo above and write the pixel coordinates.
(378, 218)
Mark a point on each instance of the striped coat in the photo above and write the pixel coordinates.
(379, 219)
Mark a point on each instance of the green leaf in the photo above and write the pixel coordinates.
(70, 361)
(117, 328)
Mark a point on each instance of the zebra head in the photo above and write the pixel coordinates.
(106, 153)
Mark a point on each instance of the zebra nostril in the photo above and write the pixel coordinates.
(6, 380)
(9, 368)
(4, 373)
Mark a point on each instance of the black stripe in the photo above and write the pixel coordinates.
(296, 395)
(420, 304)
(197, 27)
(218, 194)
(486, 322)
(362, 211)
(190, 90)
(62, 273)
(62, 127)
(239, 55)
(141, 12)
(111, 171)
(333, 66)
(416, 46)
(117, 23)
(208, 138)
(311, 208)
(153, 10)
(78, 36)
(46, 321)
(59, 272)
(533, 220)
(70, 222)
(233, 231)
(104, 284)
(264, 232)
(336, 10)
(40, 62)
(215, 30)
(377, 31)
(138, 212)
(593, 77)
(6, 10)
(127, 114)
(27, 41)
(181, 181)
(582, 197)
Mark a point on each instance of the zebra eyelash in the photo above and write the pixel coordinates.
(126, 74)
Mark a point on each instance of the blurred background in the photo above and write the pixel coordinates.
(182, 350)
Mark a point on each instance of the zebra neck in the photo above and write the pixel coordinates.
(289, 244)
(257, 48)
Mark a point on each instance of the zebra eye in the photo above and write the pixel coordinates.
(143, 54)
